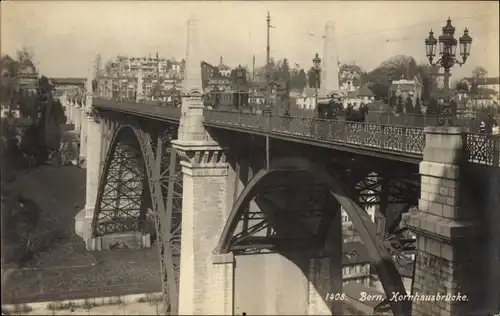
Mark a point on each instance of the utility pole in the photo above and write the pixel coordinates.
(119, 59)
(157, 75)
(253, 69)
(97, 75)
(268, 50)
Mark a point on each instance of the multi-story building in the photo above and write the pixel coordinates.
(355, 263)
(224, 70)
(349, 77)
(405, 88)
(160, 76)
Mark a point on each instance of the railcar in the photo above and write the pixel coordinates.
(226, 100)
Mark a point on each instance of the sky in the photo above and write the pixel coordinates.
(65, 36)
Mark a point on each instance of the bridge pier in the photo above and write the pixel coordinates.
(205, 279)
(83, 220)
(454, 238)
(83, 140)
(83, 127)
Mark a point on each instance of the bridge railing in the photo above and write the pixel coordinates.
(145, 107)
(483, 149)
(418, 120)
(403, 139)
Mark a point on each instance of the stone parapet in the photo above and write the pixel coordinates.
(444, 144)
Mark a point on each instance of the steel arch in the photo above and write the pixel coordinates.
(167, 227)
(381, 259)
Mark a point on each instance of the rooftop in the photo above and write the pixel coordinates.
(484, 81)
(354, 252)
(308, 92)
(69, 81)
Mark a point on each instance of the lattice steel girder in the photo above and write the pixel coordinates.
(381, 259)
(134, 161)
(120, 194)
(163, 160)
(283, 217)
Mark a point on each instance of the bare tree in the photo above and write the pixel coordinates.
(479, 72)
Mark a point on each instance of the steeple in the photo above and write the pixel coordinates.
(221, 62)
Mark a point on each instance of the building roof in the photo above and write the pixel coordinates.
(69, 81)
(222, 66)
(402, 87)
(70, 136)
(484, 81)
(354, 289)
(377, 106)
(308, 92)
(364, 91)
(354, 252)
(257, 95)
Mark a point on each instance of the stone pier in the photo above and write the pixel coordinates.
(454, 255)
(84, 217)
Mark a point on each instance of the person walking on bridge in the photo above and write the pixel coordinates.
(489, 126)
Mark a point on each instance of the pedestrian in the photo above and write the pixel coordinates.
(492, 125)
(482, 127)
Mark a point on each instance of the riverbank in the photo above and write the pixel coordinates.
(66, 269)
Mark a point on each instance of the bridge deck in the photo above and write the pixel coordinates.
(395, 142)
(391, 142)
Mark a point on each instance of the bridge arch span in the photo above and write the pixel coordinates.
(154, 176)
(380, 257)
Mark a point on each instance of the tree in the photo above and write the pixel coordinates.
(314, 78)
(285, 70)
(409, 105)
(433, 107)
(479, 72)
(393, 101)
(299, 80)
(453, 107)
(418, 106)
(399, 104)
(461, 85)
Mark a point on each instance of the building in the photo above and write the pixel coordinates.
(474, 102)
(355, 263)
(11, 111)
(307, 100)
(357, 97)
(256, 98)
(489, 85)
(224, 69)
(218, 82)
(119, 79)
(349, 78)
(405, 88)
(21, 75)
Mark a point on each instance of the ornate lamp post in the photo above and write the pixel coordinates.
(239, 78)
(447, 59)
(317, 68)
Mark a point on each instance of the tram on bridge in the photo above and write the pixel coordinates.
(226, 100)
